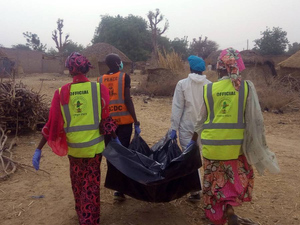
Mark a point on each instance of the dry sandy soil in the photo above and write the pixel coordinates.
(276, 197)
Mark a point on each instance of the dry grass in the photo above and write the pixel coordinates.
(277, 94)
(162, 82)
(171, 61)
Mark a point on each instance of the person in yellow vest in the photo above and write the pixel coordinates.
(232, 138)
(121, 107)
(78, 119)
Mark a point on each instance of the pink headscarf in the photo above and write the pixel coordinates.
(231, 60)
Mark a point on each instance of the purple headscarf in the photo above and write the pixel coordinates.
(77, 64)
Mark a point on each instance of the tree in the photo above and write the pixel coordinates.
(154, 19)
(60, 45)
(203, 48)
(128, 34)
(272, 42)
(180, 46)
(52, 51)
(293, 48)
(73, 47)
(21, 47)
(33, 42)
(164, 43)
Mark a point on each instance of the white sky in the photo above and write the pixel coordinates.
(228, 22)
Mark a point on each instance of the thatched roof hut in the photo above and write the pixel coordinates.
(212, 58)
(96, 55)
(291, 66)
(251, 57)
(292, 62)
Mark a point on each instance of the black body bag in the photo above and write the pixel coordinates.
(160, 174)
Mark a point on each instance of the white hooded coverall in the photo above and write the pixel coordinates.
(186, 105)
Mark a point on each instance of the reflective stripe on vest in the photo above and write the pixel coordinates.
(91, 147)
(86, 144)
(239, 125)
(94, 126)
(121, 117)
(221, 140)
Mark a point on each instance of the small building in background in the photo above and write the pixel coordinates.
(7, 65)
(291, 66)
(30, 61)
(96, 55)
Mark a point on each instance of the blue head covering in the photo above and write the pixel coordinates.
(196, 63)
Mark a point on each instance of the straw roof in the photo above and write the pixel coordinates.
(248, 56)
(252, 57)
(291, 62)
(212, 57)
(101, 50)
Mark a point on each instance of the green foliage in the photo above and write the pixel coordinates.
(202, 48)
(33, 42)
(293, 48)
(72, 47)
(180, 46)
(128, 34)
(52, 51)
(21, 47)
(163, 43)
(272, 42)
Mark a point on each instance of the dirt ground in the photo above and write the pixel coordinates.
(37, 198)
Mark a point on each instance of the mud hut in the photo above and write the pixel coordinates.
(6, 65)
(252, 59)
(212, 59)
(97, 53)
(291, 66)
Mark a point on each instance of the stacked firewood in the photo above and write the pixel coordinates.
(21, 109)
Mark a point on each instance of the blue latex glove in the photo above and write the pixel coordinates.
(191, 143)
(36, 158)
(173, 134)
(137, 128)
(116, 140)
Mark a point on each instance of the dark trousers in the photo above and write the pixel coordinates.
(124, 134)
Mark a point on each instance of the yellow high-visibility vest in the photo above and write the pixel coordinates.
(223, 131)
(81, 120)
(116, 86)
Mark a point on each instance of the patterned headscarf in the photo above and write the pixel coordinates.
(230, 59)
(77, 64)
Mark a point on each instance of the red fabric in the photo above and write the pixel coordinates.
(228, 182)
(85, 176)
(53, 131)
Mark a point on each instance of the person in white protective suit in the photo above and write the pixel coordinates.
(187, 99)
